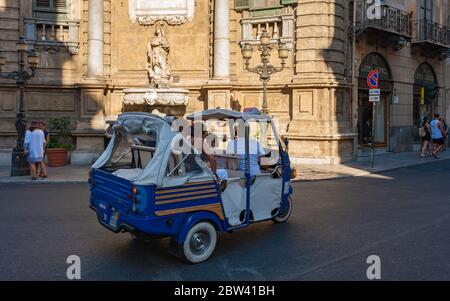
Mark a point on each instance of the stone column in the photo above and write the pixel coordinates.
(221, 39)
(321, 130)
(95, 39)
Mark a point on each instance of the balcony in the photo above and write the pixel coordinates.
(280, 28)
(391, 23)
(432, 35)
(54, 35)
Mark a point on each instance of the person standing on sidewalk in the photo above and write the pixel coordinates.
(34, 146)
(42, 127)
(425, 133)
(438, 135)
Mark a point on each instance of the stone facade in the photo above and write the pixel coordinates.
(403, 55)
(97, 49)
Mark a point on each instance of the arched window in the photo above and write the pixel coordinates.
(374, 61)
(425, 75)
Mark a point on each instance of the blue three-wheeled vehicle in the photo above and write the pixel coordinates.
(154, 180)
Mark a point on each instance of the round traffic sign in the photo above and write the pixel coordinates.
(373, 79)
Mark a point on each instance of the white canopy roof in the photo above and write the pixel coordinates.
(221, 114)
(150, 124)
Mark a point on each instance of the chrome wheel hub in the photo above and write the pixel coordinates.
(200, 242)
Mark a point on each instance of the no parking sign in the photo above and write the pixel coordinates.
(373, 80)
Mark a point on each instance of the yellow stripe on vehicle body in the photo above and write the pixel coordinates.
(215, 208)
(192, 198)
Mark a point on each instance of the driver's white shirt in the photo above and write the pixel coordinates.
(237, 147)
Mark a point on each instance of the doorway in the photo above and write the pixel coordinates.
(425, 96)
(374, 61)
(380, 122)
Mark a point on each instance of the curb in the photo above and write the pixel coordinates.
(362, 174)
(42, 182)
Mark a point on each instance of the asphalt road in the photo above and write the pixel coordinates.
(401, 216)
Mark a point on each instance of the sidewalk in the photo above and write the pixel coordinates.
(383, 162)
(362, 167)
(62, 175)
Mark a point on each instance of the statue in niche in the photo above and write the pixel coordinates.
(158, 59)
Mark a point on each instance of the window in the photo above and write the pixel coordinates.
(261, 4)
(181, 165)
(54, 6)
(426, 10)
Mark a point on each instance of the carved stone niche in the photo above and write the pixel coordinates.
(174, 12)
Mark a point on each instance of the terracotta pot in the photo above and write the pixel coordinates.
(57, 157)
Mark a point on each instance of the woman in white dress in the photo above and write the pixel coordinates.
(34, 147)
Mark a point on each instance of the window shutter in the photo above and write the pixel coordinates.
(289, 1)
(59, 4)
(43, 3)
(241, 4)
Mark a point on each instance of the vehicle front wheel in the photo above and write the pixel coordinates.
(284, 213)
(200, 242)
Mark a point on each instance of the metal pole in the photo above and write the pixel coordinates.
(265, 106)
(374, 112)
(355, 107)
(21, 117)
(19, 164)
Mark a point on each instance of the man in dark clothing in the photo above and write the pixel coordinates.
(367, 131)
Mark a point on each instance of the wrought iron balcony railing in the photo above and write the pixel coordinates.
(390, 19)
(431, 32)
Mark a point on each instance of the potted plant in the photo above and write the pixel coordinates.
(60, 141)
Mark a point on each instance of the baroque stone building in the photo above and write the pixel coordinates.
(92, 51)
(409, 43)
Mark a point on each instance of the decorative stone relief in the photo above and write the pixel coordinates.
(151, 97)
(174, 12)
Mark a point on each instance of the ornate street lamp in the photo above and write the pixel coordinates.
(265, 70)
(19, 165)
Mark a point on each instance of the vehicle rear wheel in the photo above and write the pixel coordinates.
(283, 215)
(200, 242)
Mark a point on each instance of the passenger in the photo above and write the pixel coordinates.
(256, 151)
(207, 157)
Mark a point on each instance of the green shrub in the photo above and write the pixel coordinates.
(60, 133)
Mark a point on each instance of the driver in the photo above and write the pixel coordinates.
(256, 151)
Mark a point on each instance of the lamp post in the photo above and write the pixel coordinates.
(265, 70)
(19, 165)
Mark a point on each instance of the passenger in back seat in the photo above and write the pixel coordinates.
(208, 158)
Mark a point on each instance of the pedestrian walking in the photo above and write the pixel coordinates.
(43, 127)
(438, 135)
(446, 134)
(425, 134)
(34, 147)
